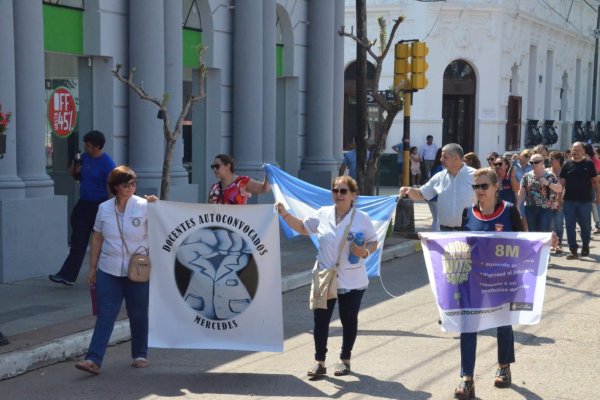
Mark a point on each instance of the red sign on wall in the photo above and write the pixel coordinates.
(62, 112)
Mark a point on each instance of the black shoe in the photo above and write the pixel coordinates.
(317, 370)
(585, 251)
(60, 279)
(3, 340)
(573, 255)
(465, 391)
(503, 377)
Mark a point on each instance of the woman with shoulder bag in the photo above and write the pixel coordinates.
(336, 227)
(120, 230)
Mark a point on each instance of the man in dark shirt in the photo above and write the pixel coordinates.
(578, 178)
(92, 174)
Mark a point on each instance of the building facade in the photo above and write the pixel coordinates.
(502, 74)
(274, 87)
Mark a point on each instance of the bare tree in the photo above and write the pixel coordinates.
(390, 108)
(171, 133)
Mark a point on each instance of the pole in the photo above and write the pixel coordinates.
(595, 79)
(406, 139)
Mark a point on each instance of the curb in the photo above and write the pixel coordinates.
(25, 360)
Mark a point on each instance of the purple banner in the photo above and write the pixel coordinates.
(473, 273)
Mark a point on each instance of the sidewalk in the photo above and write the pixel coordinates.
(47, 323)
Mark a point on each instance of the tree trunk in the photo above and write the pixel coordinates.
(361, 95)
(166, 170)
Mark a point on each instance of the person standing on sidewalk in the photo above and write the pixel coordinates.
(329, 224)
(427, 153)
(488, 213)
(232, 188)
(92, 174)
(452, 186)
(578, 178)
(120, 229)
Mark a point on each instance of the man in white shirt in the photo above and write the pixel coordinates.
(427, 153)
(452, 186)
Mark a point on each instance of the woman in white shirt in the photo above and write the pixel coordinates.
(329, 224)
(109, 259)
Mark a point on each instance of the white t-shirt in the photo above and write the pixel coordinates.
(114, 260)
(454, 194)
(322, 223)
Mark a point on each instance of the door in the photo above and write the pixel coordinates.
(457, 113)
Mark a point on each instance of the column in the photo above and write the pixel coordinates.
(30, 107)
(338, 84)
(174, 82)
(269, 81)
(147, 56)
(318, 166)
(248, 86)
(11, 186)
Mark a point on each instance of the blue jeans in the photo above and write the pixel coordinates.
(539, 219)
(83, 217)
(348, 310)
(110, 292)
(558, 226)
(468, 349)
(578, 212)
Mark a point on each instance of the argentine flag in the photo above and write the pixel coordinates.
(302, 199)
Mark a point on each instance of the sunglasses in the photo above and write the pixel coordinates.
(127, 185)
(483, 186)
(216, 166)
(535, 162)
(498, 164)
(490, 159)
(343, 191)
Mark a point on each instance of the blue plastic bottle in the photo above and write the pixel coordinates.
(359, 240)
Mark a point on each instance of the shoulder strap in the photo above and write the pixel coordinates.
(343, 241)
(120, 229)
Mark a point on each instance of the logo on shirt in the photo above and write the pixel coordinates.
(136, 221)
(499, 227)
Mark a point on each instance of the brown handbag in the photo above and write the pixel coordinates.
(324, 283)
(139, 263)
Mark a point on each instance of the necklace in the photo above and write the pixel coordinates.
(340, 218)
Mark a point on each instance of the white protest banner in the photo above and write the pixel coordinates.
(216, 277)
(482, 280)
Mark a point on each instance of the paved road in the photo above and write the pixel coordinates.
(400, 352)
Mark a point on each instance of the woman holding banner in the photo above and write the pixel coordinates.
(232, 188)
(329, 224)
(121, 224)
(488, 214)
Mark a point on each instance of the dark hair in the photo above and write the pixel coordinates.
(589, 150)
(121, 174)
(438, 159)
(96, 138)
(429, 137)
(557, 155)
(227, 159)
(473, 160)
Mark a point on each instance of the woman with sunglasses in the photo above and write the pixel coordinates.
(489, 213)
(329, 225)
(539, 189)
(491, 158)
(508, 188)
(232, 188)
(121, 228)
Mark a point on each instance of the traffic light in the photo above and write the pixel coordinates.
(402, 66)
(418, 65)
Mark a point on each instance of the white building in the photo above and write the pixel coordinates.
(494, 65)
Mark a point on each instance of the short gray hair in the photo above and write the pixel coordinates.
(454, 149)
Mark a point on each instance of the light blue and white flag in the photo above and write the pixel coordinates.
(302, 199)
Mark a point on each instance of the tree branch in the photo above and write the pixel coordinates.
(392, 34)
(366, 45)
(137, 89)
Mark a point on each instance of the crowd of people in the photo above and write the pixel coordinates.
(533, 190)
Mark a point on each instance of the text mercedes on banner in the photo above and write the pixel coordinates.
(216, 277)
(485, 280)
